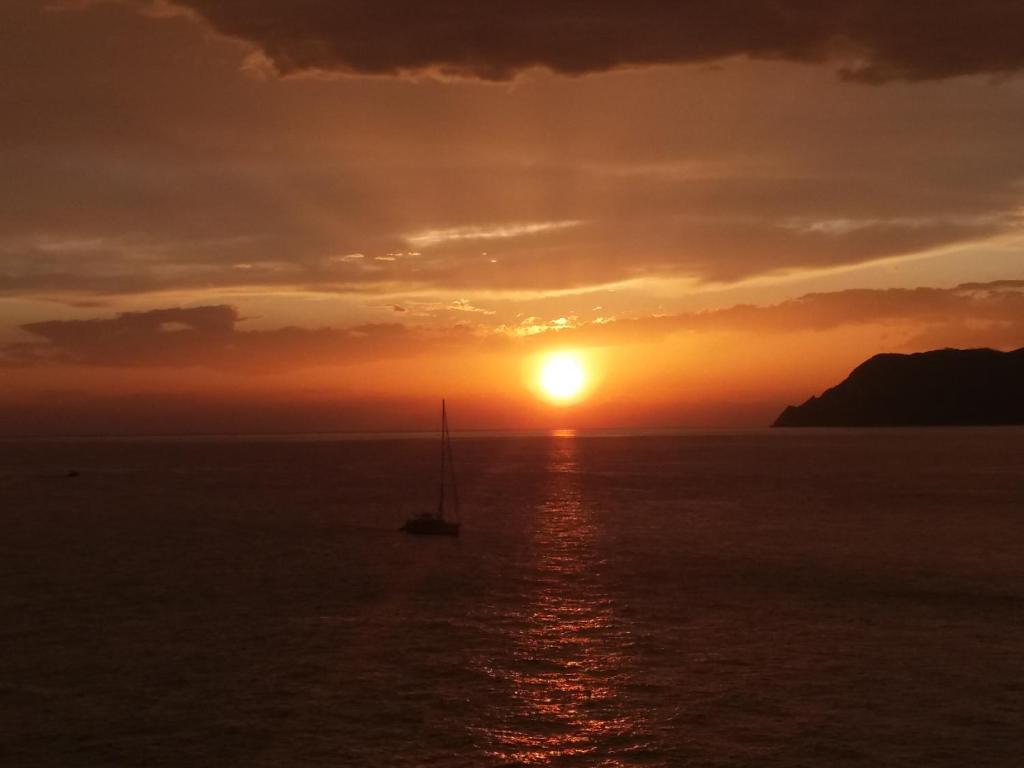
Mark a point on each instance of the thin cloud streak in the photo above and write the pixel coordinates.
(498, 232)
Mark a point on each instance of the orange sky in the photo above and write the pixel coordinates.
(215, 219)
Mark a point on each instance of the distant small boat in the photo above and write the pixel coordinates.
(436, 524)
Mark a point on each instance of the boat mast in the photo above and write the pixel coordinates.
(451, 468)
(444, 428)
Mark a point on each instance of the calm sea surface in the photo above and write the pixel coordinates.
(787, 598)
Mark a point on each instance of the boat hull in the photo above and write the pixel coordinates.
(431, 526)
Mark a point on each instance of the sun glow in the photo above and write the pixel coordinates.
(562, 377)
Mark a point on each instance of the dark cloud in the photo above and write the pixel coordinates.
(208, 337)
(993, 285)
(972, 314)
(995, 304)
(872, 40)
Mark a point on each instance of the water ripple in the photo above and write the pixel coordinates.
(568, 659)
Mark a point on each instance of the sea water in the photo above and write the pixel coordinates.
(763, 598)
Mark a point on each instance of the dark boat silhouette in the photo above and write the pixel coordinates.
(435, 523)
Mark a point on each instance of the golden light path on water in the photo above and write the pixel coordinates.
(569, 648)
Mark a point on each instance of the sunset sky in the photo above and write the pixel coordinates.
(291, 215)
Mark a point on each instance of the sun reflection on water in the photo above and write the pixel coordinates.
(568, 646)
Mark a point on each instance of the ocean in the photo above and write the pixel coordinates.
(761, 598)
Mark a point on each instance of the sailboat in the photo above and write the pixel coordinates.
(436, 524)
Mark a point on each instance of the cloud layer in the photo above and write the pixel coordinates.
(873, 40)
(968, 315)
(205, 337)
(121, 175)
(990, 314)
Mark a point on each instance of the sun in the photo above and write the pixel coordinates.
(562, 376)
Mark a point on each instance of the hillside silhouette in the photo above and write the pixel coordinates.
(941, 387)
